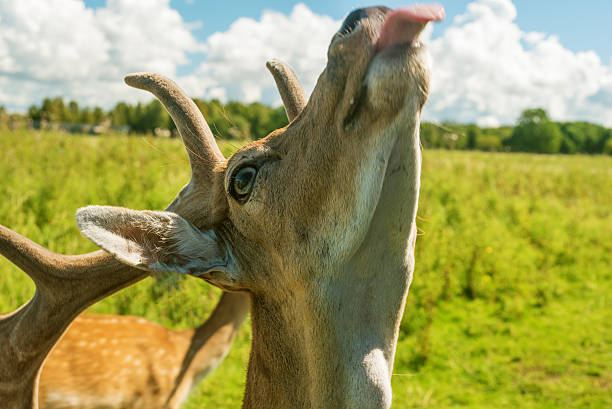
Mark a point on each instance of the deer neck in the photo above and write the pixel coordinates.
(337, 355)
(331, 346)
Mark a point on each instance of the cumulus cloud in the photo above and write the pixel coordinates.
(60, 47)
(487, 70)
(235, 65)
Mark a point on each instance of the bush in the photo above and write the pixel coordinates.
(535, 133)
(486, 142)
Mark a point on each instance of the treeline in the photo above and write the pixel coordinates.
(232, 120)
(534, 131)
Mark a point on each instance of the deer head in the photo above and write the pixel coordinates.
(316, 221)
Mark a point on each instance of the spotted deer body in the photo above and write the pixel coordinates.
(114, 361)
(101, 355)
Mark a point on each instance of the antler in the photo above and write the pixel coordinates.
(66, 285)
(203, 152)
(197, 137)
(289, 88)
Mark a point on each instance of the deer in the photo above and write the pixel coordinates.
(316, 223)
(115, 361)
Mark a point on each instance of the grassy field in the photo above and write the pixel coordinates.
(510, 306)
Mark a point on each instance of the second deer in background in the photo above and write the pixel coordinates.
(113, 362)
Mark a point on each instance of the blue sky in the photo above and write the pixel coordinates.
(580, 25)
(492, 58)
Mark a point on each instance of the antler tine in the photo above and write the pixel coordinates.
(45, 266)
(289, 88)
(204, 154)
(65, 285)
(83, 279)
(198, 139)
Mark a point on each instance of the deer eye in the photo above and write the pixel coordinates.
(242, 183)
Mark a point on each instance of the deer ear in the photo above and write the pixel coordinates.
(159, 242)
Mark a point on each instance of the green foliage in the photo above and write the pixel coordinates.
(459, 136)
(3, 118)
(510, 302)
(140, 118)
(508, 307)
(535, 133)
(583, 137)
(448, 135)
(234, 120)
(473, 135)
(56, 111)
(242, 122)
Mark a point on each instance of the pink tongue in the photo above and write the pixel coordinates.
(404, 25)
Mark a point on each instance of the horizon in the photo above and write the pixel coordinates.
(109, 112)
(519, 55)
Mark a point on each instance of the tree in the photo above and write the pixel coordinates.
(535, 133)
(85, 116)
(120, 115)
(473, 132)
(72, 115)
(98, 115)
(53, 109)
(608, 144)
(3, 117)
(34, 114)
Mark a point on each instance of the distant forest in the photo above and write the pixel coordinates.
(533, 132)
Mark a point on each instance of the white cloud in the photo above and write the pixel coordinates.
(235, 64)
(487, 70)
(59, 47)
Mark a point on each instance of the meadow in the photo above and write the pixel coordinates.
(510, 304)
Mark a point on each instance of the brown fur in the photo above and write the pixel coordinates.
(113, 361)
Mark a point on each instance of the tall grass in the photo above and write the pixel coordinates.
(510, 303)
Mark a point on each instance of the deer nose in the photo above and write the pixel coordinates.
(352, 20)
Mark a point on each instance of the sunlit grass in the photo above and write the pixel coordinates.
(510, 303)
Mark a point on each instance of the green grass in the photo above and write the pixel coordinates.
(510, 304)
